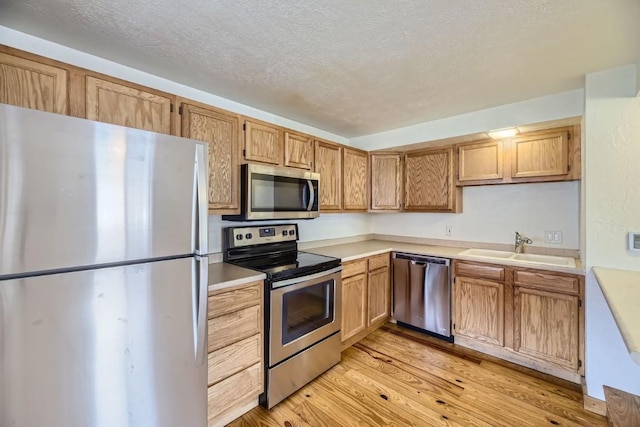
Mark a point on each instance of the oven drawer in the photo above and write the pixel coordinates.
(227, 302)
(234, 358)
(239, 387)
(232, 327)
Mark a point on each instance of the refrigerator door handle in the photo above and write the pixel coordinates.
(201, 280)
(202, 200)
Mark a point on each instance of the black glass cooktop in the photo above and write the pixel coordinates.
(289, 265)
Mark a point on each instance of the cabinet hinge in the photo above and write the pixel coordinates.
(171, 108)
(244, 126)
(244, 152)
(579, 303)
(568, 168)
(180, 110)
(579, 363)
(454, 326)
(569, 136)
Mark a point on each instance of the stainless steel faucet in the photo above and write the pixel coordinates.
(520, 242)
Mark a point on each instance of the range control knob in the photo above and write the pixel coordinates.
(238, 236)
(292, 232)
(285, 232)
(248, 236)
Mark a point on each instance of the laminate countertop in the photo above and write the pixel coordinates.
(353, 251)
(223, 275)
(621, 289)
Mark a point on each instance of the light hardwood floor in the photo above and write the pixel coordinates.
(396, 377)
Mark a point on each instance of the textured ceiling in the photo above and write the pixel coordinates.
(350, 67)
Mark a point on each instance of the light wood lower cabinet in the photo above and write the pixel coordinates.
(480, 307)
(531, 317)
(235, 372)
(366, 297)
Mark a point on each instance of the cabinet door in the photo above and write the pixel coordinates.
(262, 143)
(122, 105)
(429, 181)
(329, 166)
(30, 84)
(298, 151)
(386, 181)
(379, 295)
(479, 309)
(221, 133)
(546, 326)
(355, 180)
(480, 162)
(542, 155)
(354, 305)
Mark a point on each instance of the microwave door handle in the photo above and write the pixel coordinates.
(312, 194)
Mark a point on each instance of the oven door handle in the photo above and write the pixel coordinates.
(281, 283)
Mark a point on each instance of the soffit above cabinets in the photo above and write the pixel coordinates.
(350, 67)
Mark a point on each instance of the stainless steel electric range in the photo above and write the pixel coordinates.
(303, 305)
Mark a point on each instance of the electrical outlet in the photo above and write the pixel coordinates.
(554, 237)
(449, 231)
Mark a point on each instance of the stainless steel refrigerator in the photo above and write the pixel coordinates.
(103, 274)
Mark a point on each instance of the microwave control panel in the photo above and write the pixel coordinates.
(249, 236)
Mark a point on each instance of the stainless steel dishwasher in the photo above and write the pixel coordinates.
(422, 293)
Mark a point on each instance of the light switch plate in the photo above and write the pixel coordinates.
(634, 241)
(554, 237)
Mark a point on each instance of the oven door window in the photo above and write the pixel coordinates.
(307, 309)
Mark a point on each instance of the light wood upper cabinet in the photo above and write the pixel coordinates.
(546, 326)
(262, 143)
(298, 151)
(32, 84)
(480, 161)
(546, 154)
(220, 131)
(428, 183)
(386, 181)
(479, 309)
(354, 303)
(329, 166)
(355, 180)
(124, 105)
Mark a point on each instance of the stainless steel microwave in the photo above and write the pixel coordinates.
(269, 192)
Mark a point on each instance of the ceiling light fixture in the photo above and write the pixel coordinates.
(502, 133)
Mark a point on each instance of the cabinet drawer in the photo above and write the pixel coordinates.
(239, 387)
(354, 267)
(227, 302)
(480, 270)
(378, 261)
(548, 281)
(234, 358)
(232, 327)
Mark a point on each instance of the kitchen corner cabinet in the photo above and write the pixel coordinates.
(298, 151)
(262, 142)
(366, 297)
(127, 104)
(386, 181)
(429, 181)
(355, 180)
(549, 155)
(220, 130)
(235, 337)
(531, 317)
(328, 158)
(33, 84)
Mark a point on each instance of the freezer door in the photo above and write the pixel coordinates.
(109, 347)
(75, 192)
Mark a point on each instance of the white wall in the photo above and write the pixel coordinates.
(493, 214)
(327, 226)
(612, 207)
(543, 109)
(65, 54)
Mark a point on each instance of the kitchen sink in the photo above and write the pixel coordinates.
(527, 258)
